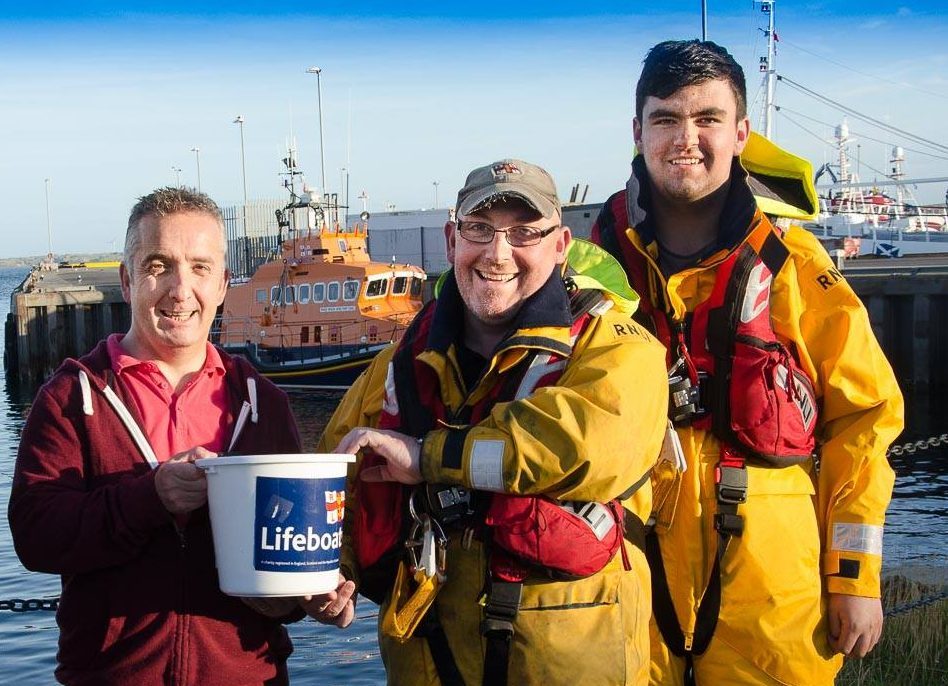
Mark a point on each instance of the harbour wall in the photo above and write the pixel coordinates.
(65, 312)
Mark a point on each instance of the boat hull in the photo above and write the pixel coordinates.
(335, 372)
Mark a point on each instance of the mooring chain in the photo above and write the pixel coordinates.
(912, 447)
(916, 604)
(30, 605)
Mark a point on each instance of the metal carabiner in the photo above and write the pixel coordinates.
(426, 542)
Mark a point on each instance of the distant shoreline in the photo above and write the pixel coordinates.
(34, 260)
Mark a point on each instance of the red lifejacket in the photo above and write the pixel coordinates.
(755, 394)
(566, 540)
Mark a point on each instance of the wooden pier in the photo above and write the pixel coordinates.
(59, 312)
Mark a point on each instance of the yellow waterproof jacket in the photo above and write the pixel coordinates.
(805, 530)
(588, 437)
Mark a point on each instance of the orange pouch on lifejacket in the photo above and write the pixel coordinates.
(566, 540)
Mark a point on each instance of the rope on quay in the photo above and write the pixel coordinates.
(916, 604)
(912, 447)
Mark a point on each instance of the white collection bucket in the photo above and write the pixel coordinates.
(277, 522)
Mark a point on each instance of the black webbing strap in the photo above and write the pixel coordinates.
(664, 608)
(431, 630)
(731, 486)
(662, 605)
(503, 603)
(633, 529)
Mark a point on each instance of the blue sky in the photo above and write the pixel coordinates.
(107, 99)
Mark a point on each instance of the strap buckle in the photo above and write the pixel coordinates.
(730, 478)
(731, 483)
(501, 607)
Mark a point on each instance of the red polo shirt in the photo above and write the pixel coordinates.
(173, 422)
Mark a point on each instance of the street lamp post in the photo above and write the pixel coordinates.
(177, 176)
(319, 110)
(49, 222)
(243, 164)
(197, 158)
(435, 184)
(243, 171)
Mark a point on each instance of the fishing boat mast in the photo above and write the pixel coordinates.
(768, 66)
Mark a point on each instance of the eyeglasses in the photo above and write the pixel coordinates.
(517, 236)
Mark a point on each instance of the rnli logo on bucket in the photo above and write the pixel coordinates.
(335, 506)
(298, 524)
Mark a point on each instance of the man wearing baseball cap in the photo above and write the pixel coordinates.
(496, 510)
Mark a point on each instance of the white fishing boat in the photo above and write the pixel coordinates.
(878, 217)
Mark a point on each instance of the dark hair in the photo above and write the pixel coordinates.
(161, 203)
(674, 64)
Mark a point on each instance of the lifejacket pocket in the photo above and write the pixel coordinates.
(772, 403)
(563, 540)
(594, 627)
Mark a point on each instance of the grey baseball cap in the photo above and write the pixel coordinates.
(516, 178)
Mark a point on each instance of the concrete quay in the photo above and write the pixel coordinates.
(63, 312)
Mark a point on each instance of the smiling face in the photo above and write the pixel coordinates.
(689, 140)
(174, 282)
(495, 278)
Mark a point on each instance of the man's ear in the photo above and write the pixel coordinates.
(637, 134)
(562, 243)
(743, 133)
(224, 286)
(450, 238)
(126, 280)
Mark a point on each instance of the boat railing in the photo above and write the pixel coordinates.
(303, 334)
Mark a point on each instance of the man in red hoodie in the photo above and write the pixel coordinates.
(105, 491)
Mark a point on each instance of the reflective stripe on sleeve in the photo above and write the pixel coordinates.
(487, 465)
(858, 538)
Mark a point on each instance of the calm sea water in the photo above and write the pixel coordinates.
(916, 539)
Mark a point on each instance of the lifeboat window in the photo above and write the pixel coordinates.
(275, 295)
(260, 295)
(416, 287)
(399, 285)
(317, 334)
(332, 294)
(304, 335)
(304, 290)
(377, 287)
(289, 295)
(319, 292)
(350, 289)
(334, 333)
(343, 246)
(373, 334)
